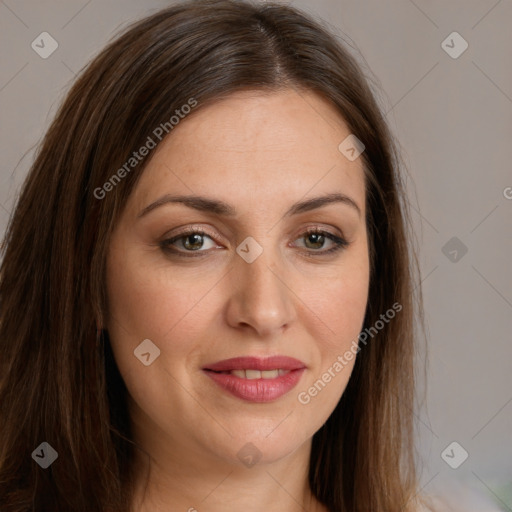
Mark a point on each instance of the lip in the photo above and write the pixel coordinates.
(256, 363)
(256, 390)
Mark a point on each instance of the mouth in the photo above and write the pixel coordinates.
(261, 364)
(255, 379)
(255, 374)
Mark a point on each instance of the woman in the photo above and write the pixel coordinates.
(206, 285)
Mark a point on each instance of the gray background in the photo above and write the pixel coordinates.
(453, 118)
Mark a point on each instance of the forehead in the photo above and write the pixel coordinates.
(274, 145)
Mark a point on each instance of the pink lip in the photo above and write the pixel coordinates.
(256, 390)
(256, 363)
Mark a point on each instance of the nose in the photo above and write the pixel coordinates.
(260, 300)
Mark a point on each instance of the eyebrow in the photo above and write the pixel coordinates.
(218, 207)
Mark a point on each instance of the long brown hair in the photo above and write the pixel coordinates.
(59, 381)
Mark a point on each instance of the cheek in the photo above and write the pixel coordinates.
(150, 302)
(341, 303)
(147, 301)
(347, 308)
(341, 308)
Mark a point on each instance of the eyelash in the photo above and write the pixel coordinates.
(165, 245)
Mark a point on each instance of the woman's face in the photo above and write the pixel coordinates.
(250, 283)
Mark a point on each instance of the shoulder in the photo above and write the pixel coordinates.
(453, 502)
(435, 503)
(426, 503)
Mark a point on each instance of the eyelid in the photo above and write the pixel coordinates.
(319, 228)
(183, 233)
(189, 229)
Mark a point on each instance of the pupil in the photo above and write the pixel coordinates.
(315, 236)
(198, 240)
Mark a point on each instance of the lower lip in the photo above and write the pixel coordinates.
(257, 390)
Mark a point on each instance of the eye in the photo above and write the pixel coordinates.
(191, 240)
(316, 238)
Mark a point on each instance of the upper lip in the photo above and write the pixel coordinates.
(256, 363)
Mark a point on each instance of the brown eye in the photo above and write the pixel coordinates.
(187, 242)
(315, 239)
(193, 242)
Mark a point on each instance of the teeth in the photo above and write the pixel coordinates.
(252, 374)
(256, 374)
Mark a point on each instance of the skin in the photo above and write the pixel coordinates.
(261, 153)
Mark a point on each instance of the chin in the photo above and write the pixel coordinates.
(250, 446)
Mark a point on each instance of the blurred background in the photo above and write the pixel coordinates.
(442, 73)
